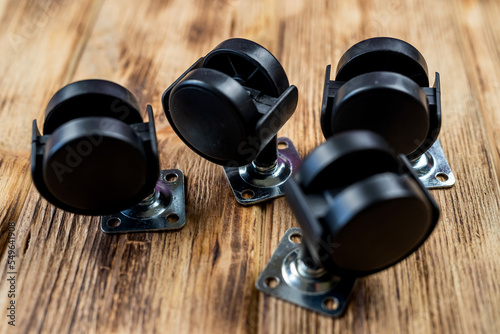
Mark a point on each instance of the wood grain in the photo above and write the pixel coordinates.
(74, 279)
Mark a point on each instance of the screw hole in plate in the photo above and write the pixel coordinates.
(272, 282)
(114, 222)
(296, 238)
(247, 194)
(442, 177)
(282, 145)
(330, 303)
(171, 177)
(172, 218)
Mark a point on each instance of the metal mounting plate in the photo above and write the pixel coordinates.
(433, 169)
(164, 211)
(325, 294)
(250, 187)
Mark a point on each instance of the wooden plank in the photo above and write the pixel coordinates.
(14, 181)
(40, 45)
(73, 278)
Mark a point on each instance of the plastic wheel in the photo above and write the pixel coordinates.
(94, 159)
(214, 116)
(389, 104)
(88, 98)
(344, 159)
(95, 166)
(250, 64)
(383, 54)
(378, 222)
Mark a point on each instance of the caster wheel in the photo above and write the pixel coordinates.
(91, 98)
(214, 114)
(387, 103)
(228, 108)
(250, 64)
(376, 198)
(381, 86)
(96, 155)
(91, 160)
(353, 222)
(383, 54)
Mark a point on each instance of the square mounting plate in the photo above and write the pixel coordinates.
(433, 169)
(331, 300)
(159, 213)
(248, 191)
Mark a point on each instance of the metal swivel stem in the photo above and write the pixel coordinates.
(150, 199)
(267, 160)
(307, 262)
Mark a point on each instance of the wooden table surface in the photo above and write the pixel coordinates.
(72, 278)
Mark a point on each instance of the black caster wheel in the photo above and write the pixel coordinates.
(383, 54)
(355, 219)
(228, 108)
(97, 157)
(250, 64)
(381, 85)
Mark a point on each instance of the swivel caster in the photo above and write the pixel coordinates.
(228, 108)
(382, 85)
(97, 157)
(356, 220)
